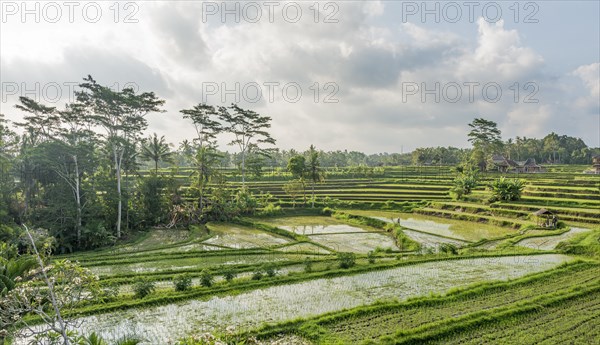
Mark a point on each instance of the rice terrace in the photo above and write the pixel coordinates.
(164, 208)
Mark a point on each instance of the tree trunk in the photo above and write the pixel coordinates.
(243, 168)
(313, 194)
(78, 200)
(118, 173)
(304, 193)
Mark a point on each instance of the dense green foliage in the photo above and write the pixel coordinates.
(143, 288)
(347, 260)
(183, 282)
(464, 184)
(504, 189)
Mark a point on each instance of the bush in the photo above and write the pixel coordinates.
(389, 204)
(206, 278)
(327, 211)
(507, 189)
(347, 260)
(448, 248)
(270, 270)
(371, 257)
(270, 210)
(143, 288)
(307, 265)
(109, 292)
(258, 274)
(229, 275)
(463, 184)
(182, 282)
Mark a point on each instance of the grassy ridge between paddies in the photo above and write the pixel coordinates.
(367, 324)
(587, 243)
(520, 211)
(550, 242)
(403, 242)
(338, 223)
(450, 228)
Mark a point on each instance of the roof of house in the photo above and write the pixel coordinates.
(530, 162)
(499, 160)
(541, 212)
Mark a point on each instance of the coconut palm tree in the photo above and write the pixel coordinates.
(156, 149)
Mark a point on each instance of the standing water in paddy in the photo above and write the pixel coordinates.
(279, 303)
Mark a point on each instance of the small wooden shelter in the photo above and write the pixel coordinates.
(546, 218)
(596, 164)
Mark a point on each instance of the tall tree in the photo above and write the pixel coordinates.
(42, 118)
(122, 115)
(185, 153)
(156, 149)
(72, 155)
(205, 161)
(313, 170)
(8, 149)
(249, 129)
(297, 167)
(65, 148)
(486, 139)
(205, 120)
(551, 147)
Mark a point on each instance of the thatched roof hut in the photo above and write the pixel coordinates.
(545, 218)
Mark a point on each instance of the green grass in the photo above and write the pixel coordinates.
(574, 321)
(369, 323)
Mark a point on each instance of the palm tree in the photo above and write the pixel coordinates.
(205, 161)
(156, 150)
(314, 171)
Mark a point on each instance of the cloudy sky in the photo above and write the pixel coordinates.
(376, 76)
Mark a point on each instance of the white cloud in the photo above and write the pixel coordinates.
(590, 75)
(172, 52)
(499, 55)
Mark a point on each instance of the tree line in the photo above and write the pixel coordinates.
(486, 140)
(75, 171)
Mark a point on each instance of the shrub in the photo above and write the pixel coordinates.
(448, 248)
(327, 211)
(206, 278)
(371, 257)
(229, 275)
(389, 204)
(507, 189)
(270, 210)
(307, 265)
(258, 274)
(143, 288)
(347, 260)
(182, 282)
(270, 270)
(463, 184)
(109, 292)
